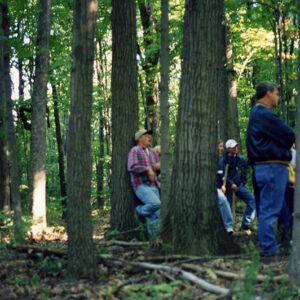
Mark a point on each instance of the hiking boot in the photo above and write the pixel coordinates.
(245, 227)
(271, 259)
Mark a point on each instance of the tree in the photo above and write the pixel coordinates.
(149, 65)
(81, 256)
(164, 115)
(294, 263)
(38, 117)
(229, 121)
(196, 222)
(9, 123)
(124, 110)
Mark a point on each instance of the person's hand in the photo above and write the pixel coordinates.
(223, 189)
(234, 187)
(157, 166)
(151, 174)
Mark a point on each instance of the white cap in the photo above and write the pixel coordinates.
(231, 144)
(141, 132)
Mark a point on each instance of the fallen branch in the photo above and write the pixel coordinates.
(230, 275)
(109, 235)
(124, 244)
(32, 248)
(212, 288)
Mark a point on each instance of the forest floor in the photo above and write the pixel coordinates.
(129, 270)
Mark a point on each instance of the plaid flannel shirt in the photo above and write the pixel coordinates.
(139, 161)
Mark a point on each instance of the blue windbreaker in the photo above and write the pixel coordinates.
(268, 137)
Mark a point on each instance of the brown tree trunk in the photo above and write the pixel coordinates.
(9, 122)
(4, 171)
(38, 117)
(197, 224)
(150, 68)
(100, 166)
(60, 149)
(124, 110)
(229, 121)
(81, 255)
(165, 121)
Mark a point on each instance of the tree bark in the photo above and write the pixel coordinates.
(229, 121)
(60, 149)
(100, 166)
(150, 68)
(294, 261)
(9, 123)
(38, 117)
(124, 110)
(81, 255)
(197, 225)
(165, 121)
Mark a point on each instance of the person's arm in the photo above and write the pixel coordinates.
(136, 163)
(273, 127)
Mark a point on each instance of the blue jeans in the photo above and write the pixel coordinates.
(225, 209)
(285, 220)
(270, 181)
(248, 198)
(149, 196)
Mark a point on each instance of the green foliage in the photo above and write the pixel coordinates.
(154, 291)
(51, 266)
(7, 228)
(35, 281)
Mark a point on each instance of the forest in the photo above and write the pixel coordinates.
(78, 80)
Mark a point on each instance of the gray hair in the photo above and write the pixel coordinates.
(263, 87)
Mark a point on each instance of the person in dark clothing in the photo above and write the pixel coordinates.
(269, 141)
(236, 180)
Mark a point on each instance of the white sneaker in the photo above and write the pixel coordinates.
(229, 230)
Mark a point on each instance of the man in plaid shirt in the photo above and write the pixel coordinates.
(143, 164)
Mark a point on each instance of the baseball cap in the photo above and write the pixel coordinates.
(141, 132)
(231, 143)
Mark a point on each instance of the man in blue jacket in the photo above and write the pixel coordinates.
(269, 141)
(236, 180)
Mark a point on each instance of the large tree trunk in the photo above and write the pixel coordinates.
(124, 110)
(38, 117)
(12, 144)
(165, 121)
(294, 263)
(197, 224)
(81, 256)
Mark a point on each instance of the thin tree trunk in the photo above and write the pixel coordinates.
(81, 252)
(197, 226)
(4, 171)
(124, 110)
(38, 117)
(165, 120)
(150, 69)
(60, 149)
(231, 130)
(100, 166)
(12, 144)
(279, 59)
